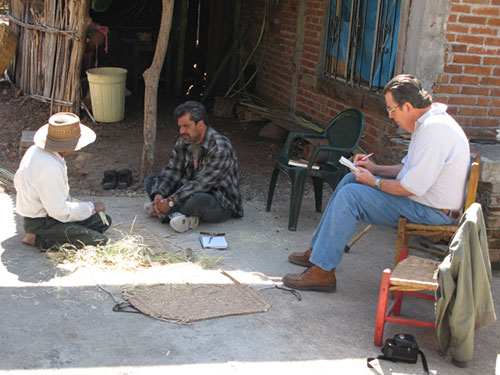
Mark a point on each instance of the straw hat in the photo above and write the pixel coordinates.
(64, 132)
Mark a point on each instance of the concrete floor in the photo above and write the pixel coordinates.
(59, 322)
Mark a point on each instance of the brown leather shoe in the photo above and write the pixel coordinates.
(314, 278)
(301, 259)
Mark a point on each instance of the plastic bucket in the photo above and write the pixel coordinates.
(107, 93)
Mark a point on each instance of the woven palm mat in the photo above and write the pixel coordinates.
(155, 242)
(186, 303)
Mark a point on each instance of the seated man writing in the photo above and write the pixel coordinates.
(428, 187)
(50, 216)
(202, 178)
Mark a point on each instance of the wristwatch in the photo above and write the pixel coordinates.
(171, 202)
(377, 183)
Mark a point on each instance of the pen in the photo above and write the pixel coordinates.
(210, 240)
(366, 156)
(213, 234)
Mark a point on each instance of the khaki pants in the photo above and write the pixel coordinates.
(51, 232)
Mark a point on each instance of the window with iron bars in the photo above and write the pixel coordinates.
(362, 42)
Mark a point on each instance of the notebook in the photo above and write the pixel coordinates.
(213, 242)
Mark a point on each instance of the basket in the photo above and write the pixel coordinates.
(8, 44)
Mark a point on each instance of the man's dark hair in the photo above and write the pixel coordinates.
(406, 88)
(195, 109)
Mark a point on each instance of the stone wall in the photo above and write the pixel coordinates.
(489, 195)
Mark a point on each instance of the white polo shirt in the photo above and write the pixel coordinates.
(436, 166)
(42, 188)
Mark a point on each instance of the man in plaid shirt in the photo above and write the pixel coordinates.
(202, 177)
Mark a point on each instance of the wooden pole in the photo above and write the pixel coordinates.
(151, 80)
(77, 58)
(181, 47)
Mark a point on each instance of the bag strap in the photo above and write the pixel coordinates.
(422, 355)
(424, 362)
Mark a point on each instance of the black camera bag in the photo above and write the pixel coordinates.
(403, 347)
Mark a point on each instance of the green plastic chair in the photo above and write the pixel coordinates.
(343, 133)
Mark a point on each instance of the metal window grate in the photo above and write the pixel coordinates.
(362, 41)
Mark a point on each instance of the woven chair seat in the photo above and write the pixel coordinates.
(415, 273)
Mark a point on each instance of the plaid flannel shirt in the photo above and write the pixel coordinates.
(218, 172)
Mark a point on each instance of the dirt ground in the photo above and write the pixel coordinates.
(119, 145)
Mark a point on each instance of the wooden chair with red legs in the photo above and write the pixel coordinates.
(406, 230)
(414, 276)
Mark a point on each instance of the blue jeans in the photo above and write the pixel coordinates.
(352, 202)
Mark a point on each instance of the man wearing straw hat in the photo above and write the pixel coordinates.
(51, 216)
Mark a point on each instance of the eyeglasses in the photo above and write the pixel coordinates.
(390, 110)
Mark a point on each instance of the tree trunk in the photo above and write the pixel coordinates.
(151, 79)
(77, 55)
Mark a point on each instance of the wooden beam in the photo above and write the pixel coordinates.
(181, 47)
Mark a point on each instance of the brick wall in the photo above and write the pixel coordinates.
(470, 82)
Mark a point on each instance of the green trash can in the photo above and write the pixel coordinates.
(107, 93)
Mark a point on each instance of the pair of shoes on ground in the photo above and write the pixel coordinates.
(117, 179)
(313, 278)
(178, 222)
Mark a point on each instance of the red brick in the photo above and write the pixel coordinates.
(452, 18)
(463, 121)
(452, 110)
(455, 8)
(457, 28)
(472, 20)
(484, 122)
(483, 101)
(447, 89)
(496, 72)
(462, 100)
(481, 70)
(466, 80)
(459, 48)
(466, 59)
(470, 39)
(490, 81)
(450, 37)
(495, 103)
(495, 93)
(472, 111)
(440, 99)
(483, 30)
(491, 61)
(492, 42)
(474, 91)
(486, 11)
(453, 69)
(494, 22)
(494, 112)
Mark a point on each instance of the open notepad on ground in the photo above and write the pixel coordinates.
(301, 163)
(349, 164)
(213, 242)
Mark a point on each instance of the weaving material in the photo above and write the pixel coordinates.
(186, 303)
(155, 242)
(6, 177)
(415, 271)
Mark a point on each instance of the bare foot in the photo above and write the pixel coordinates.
(29, 239)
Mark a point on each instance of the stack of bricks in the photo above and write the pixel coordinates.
(488, 194)
(489, 197)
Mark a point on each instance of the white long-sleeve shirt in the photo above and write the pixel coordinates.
(43, 190)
